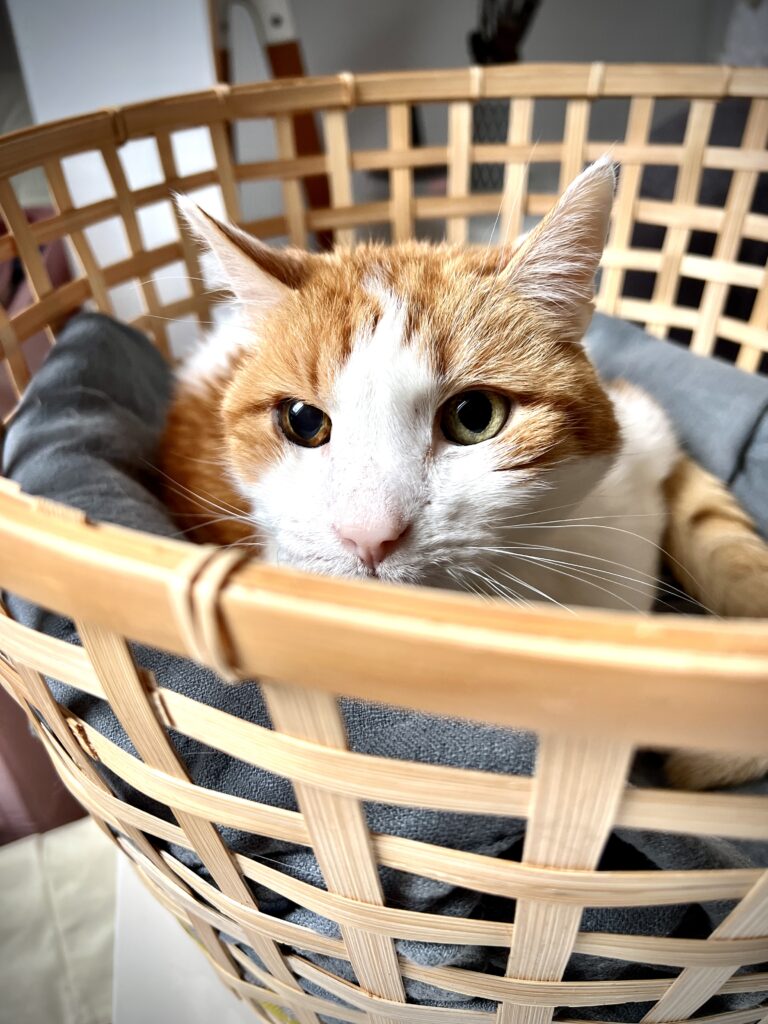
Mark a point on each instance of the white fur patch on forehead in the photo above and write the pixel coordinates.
(384, 369)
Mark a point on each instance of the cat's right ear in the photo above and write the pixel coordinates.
(556, 263)
(257, 275)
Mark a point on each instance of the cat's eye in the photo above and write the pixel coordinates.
(303, 424)
(474, 416)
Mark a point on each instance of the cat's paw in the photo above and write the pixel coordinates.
(687, 769)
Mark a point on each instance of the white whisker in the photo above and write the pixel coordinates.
(541, 593)
(579, 579)
(642, 587)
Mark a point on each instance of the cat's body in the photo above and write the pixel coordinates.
(428, 415)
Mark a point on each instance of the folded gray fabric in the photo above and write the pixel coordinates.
(720, 413)
(86, 433)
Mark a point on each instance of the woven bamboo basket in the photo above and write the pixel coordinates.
(594, 687)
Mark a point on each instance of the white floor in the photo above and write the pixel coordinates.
(161, 975)
(57, 893)
(82, 941)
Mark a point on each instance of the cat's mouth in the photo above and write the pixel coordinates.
(389, 571)
(384, 573)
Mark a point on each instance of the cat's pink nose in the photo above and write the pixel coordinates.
(372, 542)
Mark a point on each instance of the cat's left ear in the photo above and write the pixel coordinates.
(256, 274)
(555, 265)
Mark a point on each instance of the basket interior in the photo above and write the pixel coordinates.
(681, 267)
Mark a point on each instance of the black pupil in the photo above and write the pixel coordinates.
(305, 420)
(474, 411)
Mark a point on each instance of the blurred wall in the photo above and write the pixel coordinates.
(79, 55)
(367, 35)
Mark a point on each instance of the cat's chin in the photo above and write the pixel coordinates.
(388, 572)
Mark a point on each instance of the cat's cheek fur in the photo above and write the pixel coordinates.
(470, 504)
(291, 507)
(465, 506)
(624, 517)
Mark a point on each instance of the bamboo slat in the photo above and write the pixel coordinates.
(392, 922)
(211, 894)
(693, 986)
(40, 699)
(628, 190)
(277, 170)
(131, 225)
(126, 691)
(459, 130)
(188, 248)
(516, 173)
(292, 196)
(225, 170)
(575, 137)
(63, 200)
(14, 217)
(339, 175)
(728, 241)
(30, 147)
(448, 789)
(35, 271)
(82, 216)
(686, 192)
(52, 310)
(15, 363)
(401, 178)
(340, 839)
(575, 797)
(757, 338)
(508, 652)
(593, 688)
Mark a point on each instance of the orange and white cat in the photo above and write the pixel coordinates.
(427, 414)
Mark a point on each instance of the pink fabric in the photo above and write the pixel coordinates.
(32, 797)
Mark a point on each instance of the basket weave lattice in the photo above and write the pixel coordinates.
(594, 687)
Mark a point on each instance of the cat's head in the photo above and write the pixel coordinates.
(392, 410)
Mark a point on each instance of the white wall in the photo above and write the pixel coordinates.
(78, 55)
(368, 35)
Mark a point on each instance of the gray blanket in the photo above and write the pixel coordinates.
(720, 414)
(86, 433)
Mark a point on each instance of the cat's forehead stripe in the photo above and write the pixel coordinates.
(382, 367)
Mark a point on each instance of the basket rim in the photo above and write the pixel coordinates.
(530, 668)
(26, 147)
